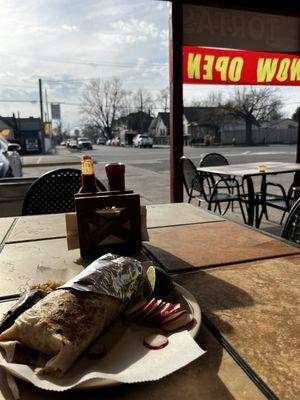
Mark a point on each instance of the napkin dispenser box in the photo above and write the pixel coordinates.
(107, 222)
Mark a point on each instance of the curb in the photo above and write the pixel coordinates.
(51, 164)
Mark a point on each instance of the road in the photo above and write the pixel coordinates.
(147, 170)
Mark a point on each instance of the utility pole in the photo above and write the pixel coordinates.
(141, 120)
(47, 105)
(42, 116)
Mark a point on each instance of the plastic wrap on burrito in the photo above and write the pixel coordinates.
(120, 277)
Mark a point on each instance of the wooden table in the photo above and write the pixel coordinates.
(248, 171)
(29, 228)
(233, 295)
(255, 308)
(201, 246)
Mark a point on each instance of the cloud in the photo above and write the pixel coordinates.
(69, 28)
(139, 30)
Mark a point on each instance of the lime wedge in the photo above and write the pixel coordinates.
(160, 282)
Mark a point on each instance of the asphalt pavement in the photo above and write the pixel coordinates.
(147, 170)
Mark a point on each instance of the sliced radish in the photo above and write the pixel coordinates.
(171, 309)
(96, 351)
(156, 342)
(172, 316)
(134, 308)
(142, 311)
(166, 310)
(182, 322)
(157, 306)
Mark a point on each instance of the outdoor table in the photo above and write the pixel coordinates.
(28, 242)
(201, 246)
(21, 229)
(254, 308)
(249, 170)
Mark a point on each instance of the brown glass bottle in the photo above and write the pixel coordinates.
(88, 179)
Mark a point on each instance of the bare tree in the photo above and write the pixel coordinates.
(254, 105)
(163, 99)
(101, 102)
(296, 115)
(143, 101)
(213, 99)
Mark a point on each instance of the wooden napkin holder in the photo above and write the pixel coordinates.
(108, 222)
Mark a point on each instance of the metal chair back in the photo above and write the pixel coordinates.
(54, 192)
(191, 178)
(291, 229)
(213, 159)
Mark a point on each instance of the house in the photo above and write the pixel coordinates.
(200, 123)
(214, 124)
(159, 128)
(285, 123)
(127, 127)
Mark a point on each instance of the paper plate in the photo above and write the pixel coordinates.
(179, 295)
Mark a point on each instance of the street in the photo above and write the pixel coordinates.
(147, 170)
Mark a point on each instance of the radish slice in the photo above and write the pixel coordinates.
(156, 342)
(135, 308)
(157, 306)
(96, 351)
(170, 309)
(165, 311)
(172, 316)
(141, 312)
(183, 321)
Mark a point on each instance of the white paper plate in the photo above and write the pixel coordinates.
(180, 295)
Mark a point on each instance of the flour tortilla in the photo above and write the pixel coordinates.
(63, 324)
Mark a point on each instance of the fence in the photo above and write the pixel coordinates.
(261, 136)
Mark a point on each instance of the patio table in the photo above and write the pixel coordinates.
(21, 229)
(202, 246)
(248, 171)
(215, 376)
(254, 309)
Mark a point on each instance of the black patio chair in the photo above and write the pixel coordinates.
(213, 159)
(291, 229)
(281, 200)
(54, 192)
(217, 159)
(193, 181)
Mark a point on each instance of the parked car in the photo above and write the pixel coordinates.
(71, 144)
(10, 160)
(101, 140)
(143, 140)
(84, 143)
(116, 141)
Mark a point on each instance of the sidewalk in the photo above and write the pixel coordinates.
(65, 157)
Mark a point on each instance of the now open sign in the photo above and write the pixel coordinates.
(203, 65)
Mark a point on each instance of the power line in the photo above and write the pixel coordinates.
(79, 104)
(19, 101)
(18, 86)
(90, 63)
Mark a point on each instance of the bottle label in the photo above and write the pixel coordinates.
(87, 167)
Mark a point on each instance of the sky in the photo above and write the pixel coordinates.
(68, 42)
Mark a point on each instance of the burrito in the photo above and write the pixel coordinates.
(66, 321)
